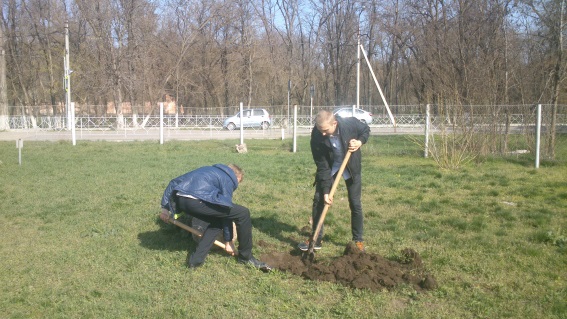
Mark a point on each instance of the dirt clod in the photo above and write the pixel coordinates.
(356, 269)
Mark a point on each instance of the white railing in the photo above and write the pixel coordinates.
(58, 123)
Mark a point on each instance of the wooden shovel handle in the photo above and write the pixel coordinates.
(331, 194)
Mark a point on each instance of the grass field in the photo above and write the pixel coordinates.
(80, 237)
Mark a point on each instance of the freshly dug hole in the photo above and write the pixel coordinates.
(359, 270)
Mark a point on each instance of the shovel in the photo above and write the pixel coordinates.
(310, 253)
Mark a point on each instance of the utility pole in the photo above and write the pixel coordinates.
(4, 114)
(67, 78)
(358, 47)
(358, 68)
(68, 105)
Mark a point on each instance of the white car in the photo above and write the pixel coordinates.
(251, 118)
(362, 115)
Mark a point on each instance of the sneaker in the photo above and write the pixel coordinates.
(304, 246)
(360, 246)
(191, 264)
(255, 263)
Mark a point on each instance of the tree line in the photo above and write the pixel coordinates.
(209, 54)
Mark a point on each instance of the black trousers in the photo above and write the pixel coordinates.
(214, 215)
(354, 189)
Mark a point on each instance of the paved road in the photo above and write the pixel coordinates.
(137, 135)
(153, 134)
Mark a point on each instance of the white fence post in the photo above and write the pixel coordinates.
(241, 124)
(427, 123)
(19, 145)
(295, 128)
(73, 131)
(538, 135)
(161, 123)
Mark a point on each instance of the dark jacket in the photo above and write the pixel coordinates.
(213, 184)
(322, 151)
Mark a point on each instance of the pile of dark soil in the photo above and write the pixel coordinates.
(358, 270)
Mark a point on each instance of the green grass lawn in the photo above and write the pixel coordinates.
(80, 237)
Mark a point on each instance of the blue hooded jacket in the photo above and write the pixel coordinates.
(213, 184)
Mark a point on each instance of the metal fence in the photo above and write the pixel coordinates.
(56, 123)
(22, 118)
(492, 125)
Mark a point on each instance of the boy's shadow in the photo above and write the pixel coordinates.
(172, 238)
(283, 232)
(286, 233)
(168, 237)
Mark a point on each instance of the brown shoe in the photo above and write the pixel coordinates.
(360, 246)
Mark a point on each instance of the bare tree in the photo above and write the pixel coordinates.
(44, 26)
(339, 21)
(25, 68)
(550, 21)
(215, 54)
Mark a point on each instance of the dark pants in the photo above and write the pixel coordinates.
(354, 189)
(214, 215)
